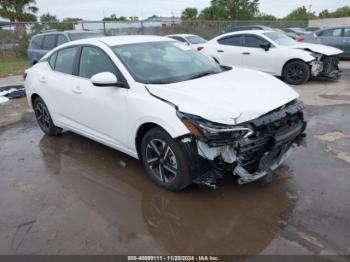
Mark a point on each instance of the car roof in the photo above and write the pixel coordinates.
(48, 32)
(244, 26)
(120, 40)
(183, 35)
(253, 32)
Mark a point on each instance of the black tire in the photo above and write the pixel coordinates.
(164, 160)
(44, 119)
(296, 72)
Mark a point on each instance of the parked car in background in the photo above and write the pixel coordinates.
(192, 40)
(183, 115)
(42, 43)
(292, 35)
(311, 29)
(231, 29)
(276, 54)
(338, 37)
(296, 30)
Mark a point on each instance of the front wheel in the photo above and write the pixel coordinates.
(296, 72)
(164, 160)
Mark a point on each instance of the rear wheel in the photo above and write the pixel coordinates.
(44, 119)
(296, 72)
(164, 160)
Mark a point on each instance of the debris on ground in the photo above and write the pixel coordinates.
(123, 164)
(11, 92)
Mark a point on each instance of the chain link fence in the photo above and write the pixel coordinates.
(15, 37)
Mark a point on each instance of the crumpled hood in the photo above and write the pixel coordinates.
(232, 97)
(322, 49)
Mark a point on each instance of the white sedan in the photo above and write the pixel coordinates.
(168, 105)
(195, 41)
(274, 53)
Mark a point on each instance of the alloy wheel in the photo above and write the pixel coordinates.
(42, 115)
(161, 160)
(296, 73)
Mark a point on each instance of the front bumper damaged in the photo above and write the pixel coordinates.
(268, 163)
(326, 67)
(276, 135)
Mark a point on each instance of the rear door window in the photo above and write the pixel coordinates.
(61, 40)
(65, 61)
(49, 42)
(254, 41)
(230, 40)
(37, 42)
(347, 32)
(337, 32)
(178, 39)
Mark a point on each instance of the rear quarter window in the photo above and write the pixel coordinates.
(52, 60)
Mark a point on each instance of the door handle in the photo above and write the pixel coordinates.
(77, 90)
(246, 53)
(42, 79)
(220, 51)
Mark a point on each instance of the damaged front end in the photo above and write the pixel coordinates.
(325, 66)
(251, 150)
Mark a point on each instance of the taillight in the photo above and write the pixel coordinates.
(199, 48)
(299, 39)
(24, 75)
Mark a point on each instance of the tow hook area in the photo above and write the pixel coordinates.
(268, 164)
(209, 178)
(246, 177)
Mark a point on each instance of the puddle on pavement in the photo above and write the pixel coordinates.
(230, 220)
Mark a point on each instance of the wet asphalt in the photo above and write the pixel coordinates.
(70, 195)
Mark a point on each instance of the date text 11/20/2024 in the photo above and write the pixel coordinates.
(173, 258)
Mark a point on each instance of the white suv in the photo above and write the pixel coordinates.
(186, 117)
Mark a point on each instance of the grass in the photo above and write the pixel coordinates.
(13, 66)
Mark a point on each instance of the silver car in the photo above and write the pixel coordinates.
(338, 37)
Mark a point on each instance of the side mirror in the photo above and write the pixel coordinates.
(104, 79)
(266, 46)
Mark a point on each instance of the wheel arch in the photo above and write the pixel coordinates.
(33, 97)
(141, 132)
(291, 60)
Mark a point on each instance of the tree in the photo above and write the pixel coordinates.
(48, 18)
(153, 17)
(113, 17)
(19, 10)
(324, 14)
(239, 9)
(341, 12)
(189, 13)
(265, 17)
(301, 13)
(214, 12)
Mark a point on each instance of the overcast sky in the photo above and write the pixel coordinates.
(96, 9)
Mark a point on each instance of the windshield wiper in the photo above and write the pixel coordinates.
(202, 75)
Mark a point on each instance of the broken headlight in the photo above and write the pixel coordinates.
(210, 131)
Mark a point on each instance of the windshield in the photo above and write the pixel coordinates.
(195, 40)
(280, 38)
(78, 36)
(164, 62)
